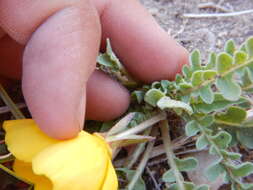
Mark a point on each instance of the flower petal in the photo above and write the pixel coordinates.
(103, 143)
(111, 180)
(24, 139)
(24, 170)
(77, 164)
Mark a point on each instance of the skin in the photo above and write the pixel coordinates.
(53, 46)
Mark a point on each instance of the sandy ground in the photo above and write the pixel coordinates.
(206, 34)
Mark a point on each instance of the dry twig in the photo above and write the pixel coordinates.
(215, 15)
(214, 6)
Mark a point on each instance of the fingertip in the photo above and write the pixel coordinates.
(183, 59)
(58, 129)
(147, 51)
(106, 98)
(57, 62)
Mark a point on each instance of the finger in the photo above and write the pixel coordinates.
(100, 98)
(58, 60)
(146, 50)
(11, 56)
(20, 24)
(2, 33)
(106, 98)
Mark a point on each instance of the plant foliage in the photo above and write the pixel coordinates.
(213, 100)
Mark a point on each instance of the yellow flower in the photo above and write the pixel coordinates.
(81, 163)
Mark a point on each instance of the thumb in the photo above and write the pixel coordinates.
(58, 60)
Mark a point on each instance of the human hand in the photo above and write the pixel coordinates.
(59, 41)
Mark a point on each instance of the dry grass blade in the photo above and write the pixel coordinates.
(7, 100)
(6, 109)
(213, 5)
(121, 125)
(142, 165)
(144, 125)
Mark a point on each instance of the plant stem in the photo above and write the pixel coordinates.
(170, 154)
(7, 100)
(141, 166)
(208, 82)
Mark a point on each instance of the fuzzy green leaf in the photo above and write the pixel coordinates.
(111, 54)
(168, 176)
(165, 84)
(247, 79)
(218, 104)
(230, 47)
(206, 121)
(187, 185)
(195, 60)
(207, 94)
(246, 186)
(230, 155)
(224, 63)
(243, 48)
(242, 170)
(234, 115)
(186, 71)
(213, 150)
(249, 46)
(209, 74)
(186, 164)
(153, 96)
(156, 85)
(245, 137)
(167, 103)
(203, 187)
(201, 142)
(240, 57)
(109, 59)
(104, 59)
(214, 171)
(184, 86)
(138, 95)
(211, 61)
(229, 89)
(197, 78)
(191, 128)
(222, 139)
(179, 79)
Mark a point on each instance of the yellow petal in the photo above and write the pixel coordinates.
(103, 143)
(24, 170)
(111, 180)
(24, 139)
(77, 164)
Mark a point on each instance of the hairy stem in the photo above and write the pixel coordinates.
(170, 154)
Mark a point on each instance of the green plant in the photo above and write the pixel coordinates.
(213, 100)
(213, 103)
